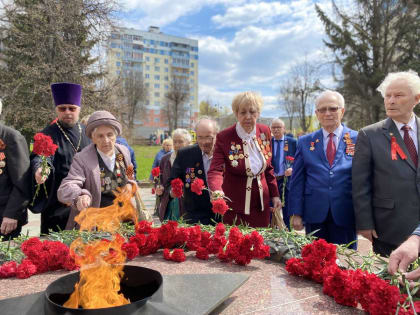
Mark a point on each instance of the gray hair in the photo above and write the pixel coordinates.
(96, 129)
(183, 133)
(339, 97)
(410, 76)
(277, 120)
(212, 121)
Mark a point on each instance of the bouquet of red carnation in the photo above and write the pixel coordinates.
(219, 205)
(177, 187)
(197, 186)
(44, 147)
(156, 178)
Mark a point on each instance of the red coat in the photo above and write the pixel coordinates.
(230, 155)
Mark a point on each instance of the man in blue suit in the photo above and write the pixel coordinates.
(283, 146)
(321, 186)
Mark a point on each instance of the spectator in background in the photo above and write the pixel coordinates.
(166, 148)
(385, 181)
(320, 189)
(171, 208)
(282, 147)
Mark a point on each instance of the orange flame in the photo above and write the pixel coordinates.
(102, 261)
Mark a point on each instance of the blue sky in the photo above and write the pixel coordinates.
(243, 44)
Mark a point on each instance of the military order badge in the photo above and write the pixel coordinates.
(349, 144)
(235, 153)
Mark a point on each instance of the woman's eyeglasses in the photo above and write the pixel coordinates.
(323, 110)
(64, 108)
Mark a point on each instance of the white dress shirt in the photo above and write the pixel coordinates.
(255, 158)
(337, 134)
(206, 162)
(412, 132)
(108, 160)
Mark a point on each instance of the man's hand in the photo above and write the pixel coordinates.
(159, 190)
(38, 176)
(83, 202)
(368, 234)
(288, 172)
(8, 225)
(297, 222)
(276, 204)
(404, 255)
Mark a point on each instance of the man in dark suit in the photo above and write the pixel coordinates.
(320, 189)
(194, 162)
(283, 146)
(386, 174)
(15, 189)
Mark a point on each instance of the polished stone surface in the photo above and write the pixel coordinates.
(269, 290)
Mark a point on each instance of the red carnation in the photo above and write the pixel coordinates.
(177, 255)
(290, 158)
(25, 269)
(156, 172)
(219, 206)
(197, 186)
(44, 145)
(131, 250)
(177, 187)
(8, 269)
(202, 253)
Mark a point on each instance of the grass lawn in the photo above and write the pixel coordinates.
(144, 158)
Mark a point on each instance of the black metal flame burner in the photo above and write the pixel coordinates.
(138, 285)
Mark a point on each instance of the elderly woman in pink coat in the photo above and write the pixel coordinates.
(98, 169)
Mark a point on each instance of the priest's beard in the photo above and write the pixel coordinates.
(67, 125)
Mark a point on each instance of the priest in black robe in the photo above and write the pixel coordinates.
(69, 135)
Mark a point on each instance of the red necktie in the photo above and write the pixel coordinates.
(331, 149)
(409, 143)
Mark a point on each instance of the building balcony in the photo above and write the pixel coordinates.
(179, 65)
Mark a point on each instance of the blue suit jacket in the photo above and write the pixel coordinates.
(291, 150)
(317, 187)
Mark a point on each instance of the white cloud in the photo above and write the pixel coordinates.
(251, 13)
(163, 12)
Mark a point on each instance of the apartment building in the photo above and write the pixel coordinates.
(158, 57)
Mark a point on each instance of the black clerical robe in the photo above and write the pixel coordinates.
(54, 214)
(14, 178)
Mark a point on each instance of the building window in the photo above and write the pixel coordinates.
(118, 64)
(157, 77)
(157, 68)
(157, 60)
(157, 120)
(166, 61)
(147, 58)
(147, 76)
(118, 72)
(157, 103)
(166, 69)
(157, 94)
(166, 87)
(147, 84)
(157, 86)
(166, 78)
(192, 97)
(192, 64)
(147, 68)
(147, 102)
(118, 54)
(192, 72)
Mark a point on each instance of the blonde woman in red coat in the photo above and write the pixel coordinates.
(241, 165)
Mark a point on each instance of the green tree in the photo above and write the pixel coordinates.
(369, 39)
(50, 41)
(208, 109)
